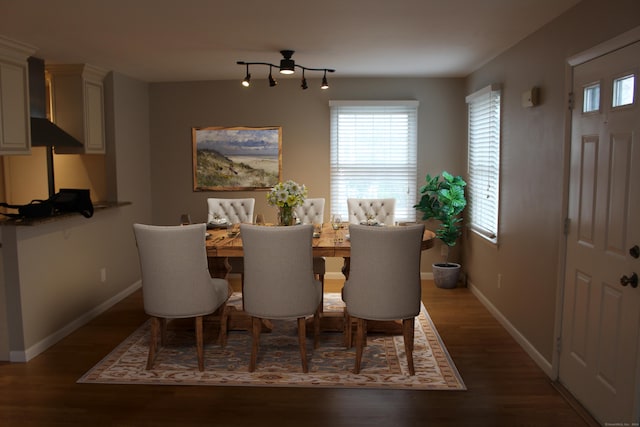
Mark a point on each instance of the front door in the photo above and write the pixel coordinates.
(601, 309)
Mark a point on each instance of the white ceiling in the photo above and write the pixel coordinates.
(171, 40)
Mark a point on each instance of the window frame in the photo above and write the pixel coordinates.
(341, 171)
(486, 223)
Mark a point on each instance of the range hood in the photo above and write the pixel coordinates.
(44, 133)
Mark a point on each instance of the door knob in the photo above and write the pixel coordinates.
(633, 280)
(635, 252)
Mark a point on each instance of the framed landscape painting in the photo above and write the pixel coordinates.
(236, 158)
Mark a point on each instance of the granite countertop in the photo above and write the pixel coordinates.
(97, 206)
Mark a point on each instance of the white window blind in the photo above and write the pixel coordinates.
(484, 161)
(374, 154)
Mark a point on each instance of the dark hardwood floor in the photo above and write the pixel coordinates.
(505, 387)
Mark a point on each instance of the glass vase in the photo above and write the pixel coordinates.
(285, 216)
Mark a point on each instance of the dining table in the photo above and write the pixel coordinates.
(329, 240)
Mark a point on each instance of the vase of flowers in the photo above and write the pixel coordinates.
(286, 196)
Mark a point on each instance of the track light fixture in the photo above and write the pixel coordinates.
(287, 66)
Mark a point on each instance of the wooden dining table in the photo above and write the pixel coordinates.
(329, 243)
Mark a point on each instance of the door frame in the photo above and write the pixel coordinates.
(618, 42)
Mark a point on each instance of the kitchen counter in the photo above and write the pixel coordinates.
(97, 207)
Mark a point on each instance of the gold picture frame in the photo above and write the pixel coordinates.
(236, 158)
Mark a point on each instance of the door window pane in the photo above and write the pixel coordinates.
(591, 98)
(623, 90)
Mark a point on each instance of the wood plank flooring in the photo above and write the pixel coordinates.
(505, 387)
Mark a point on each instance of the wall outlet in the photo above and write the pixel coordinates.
(103, 275)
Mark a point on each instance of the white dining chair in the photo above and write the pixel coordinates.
(363, 210)
(312, 212)
(233, 211)
(279, 281)
(176, 282)
(384, 282)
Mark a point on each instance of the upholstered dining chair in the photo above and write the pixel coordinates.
(176, 282)
(234, 211)
(384, 282)
(380, 210)
(312, 212)
(279, 281)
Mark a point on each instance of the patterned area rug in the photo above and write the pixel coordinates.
(384, 363)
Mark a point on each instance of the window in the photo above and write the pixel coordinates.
(591, 97)
(623, 89)
(484, 161)
(374, 154)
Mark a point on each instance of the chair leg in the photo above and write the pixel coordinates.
(316, 327)
(163, 331)
(224, 324)
(347, 329)
(407, 334)
(302, 339)
(360, 342)
(256, 326)
(153, 341)
(199, 343)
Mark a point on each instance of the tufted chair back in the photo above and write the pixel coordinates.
(311, 211)
(233, 210)
(360, 210)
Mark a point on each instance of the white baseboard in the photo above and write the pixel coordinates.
(543, 363)
(39, 347)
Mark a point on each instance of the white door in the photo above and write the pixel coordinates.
(601, 311)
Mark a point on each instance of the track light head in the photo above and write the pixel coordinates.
(272, 81)
(247, 79)
(287, 65)
(304, 81)
(325, 84)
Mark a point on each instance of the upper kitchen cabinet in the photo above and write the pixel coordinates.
(15, 136)
(77, 105)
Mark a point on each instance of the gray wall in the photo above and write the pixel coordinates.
(304, 117)
(533, 175)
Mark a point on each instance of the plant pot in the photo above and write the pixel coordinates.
(445, 275)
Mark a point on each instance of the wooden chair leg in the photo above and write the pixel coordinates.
(200, 343)
(224, 324)
(407, 334)
(348, 340)
(153, 341)
(360, 343)
(256, 327)
(163, 331)
(316, 328)
(302, 339)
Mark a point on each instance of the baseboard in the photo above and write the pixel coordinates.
(334, 275)
(543, 363)
(36, 349)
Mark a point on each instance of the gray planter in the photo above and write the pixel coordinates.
(446, 275)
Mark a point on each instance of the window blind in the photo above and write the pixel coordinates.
(484, 161)
(374, 154)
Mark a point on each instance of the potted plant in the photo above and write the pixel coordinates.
(443, 200)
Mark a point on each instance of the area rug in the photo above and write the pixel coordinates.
(384, 363)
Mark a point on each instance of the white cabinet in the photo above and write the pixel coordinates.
(77, 105)
(15, 123)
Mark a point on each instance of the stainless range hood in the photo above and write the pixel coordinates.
(44, 133)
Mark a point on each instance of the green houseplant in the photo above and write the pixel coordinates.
(443, 199)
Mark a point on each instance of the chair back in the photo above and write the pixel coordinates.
(361, 210)
(175, 276)
(384, 275)
(235, 211)
(278, 271)
(311, 211)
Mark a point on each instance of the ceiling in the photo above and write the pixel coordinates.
(168, 40)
